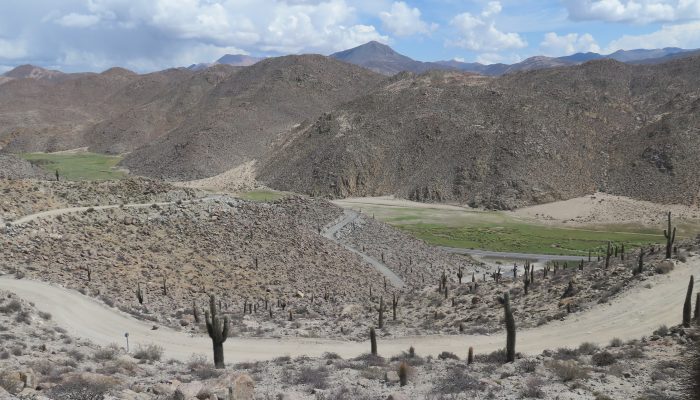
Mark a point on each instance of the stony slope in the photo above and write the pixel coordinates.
(247, 112)
(506, 142)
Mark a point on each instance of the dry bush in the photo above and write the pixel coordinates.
(150, 352)
(587, 348)
(533, 388)
(315, 377)
(80, 388)
(457, 380)
(446, 355)
(528, 366)
(108, 353)
(568, 370)
(663, 268)
(603, 359)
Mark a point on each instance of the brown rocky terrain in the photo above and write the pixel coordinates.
(521, 139)
(13, 167)
(39, 360)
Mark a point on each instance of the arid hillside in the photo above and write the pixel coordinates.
(245, 113)
(506, 142)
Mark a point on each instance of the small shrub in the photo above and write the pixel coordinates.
(81, 388)
(587, 348)
(661, 331)
(495, 357)
(446, 355)
(603, 359)
(150, 352)
(568, 370)
(371, 360)
(664, 267)
(44, 315)
(616, 342)
(528, 366)
(332, 356)
(106, 353)
(11, 308)
(533, 388)
(314, 377)
(566, 354)
(457, 380)
(24, 317)
(76, 355)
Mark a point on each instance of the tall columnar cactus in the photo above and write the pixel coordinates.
(470, 355)
(640, 263)
(217, 330)
(687, 307)
(381, 312)
(460, 274)
(373, 341)
(622, 252)
(510, 328)
(697, 308)
(195, 311)
(608, 254)
(403, 373)
(670, 237)
(139, 293)
(394, 305)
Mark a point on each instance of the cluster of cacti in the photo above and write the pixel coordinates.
(217, 330)
(510, 328)
(670, 237)
(496, 275)
(687, 306)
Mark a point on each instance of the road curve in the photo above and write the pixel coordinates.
(72, 210)
(331, 233)
(634, 314)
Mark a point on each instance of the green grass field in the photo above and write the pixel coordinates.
(525, 238)
(263, 195)
(81, 166)
(498, 231)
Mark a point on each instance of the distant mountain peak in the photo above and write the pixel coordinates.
(28, 71)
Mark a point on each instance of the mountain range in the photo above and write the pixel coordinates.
(383, 59)
(317, 125)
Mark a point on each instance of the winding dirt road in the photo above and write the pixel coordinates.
(634, 314)
(331, 233)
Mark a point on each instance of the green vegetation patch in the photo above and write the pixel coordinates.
(263, 195)
(81, 166)
(526, 238)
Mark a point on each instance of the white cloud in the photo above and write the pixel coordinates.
(634, 11)
(403, 20)
(686, 35)
(75, 20)
(554, 45)
(11, 50)
(491, 9)
(479, 33)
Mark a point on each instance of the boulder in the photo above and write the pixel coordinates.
(244, 388)
(397, 396)
(392, 377)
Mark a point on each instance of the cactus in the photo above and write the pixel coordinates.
(608, 254)
(697, 307)
(195, 311)
(403, 373)
(381, 312)
(688, 306)
(139, 292)
(165, 287)
(373, 341)
(217, 330)
(470, 355)
(640, 263)
(89, 274)
(670, 237)
(510, 328)
(394, 305)
(589, 256)
(460, 274)
(291, 316)
(622, 252)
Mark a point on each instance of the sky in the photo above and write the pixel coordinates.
(149, 35)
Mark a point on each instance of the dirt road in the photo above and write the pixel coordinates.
(636, 313)
(348, 217)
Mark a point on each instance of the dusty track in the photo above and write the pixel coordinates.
(634, 314)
